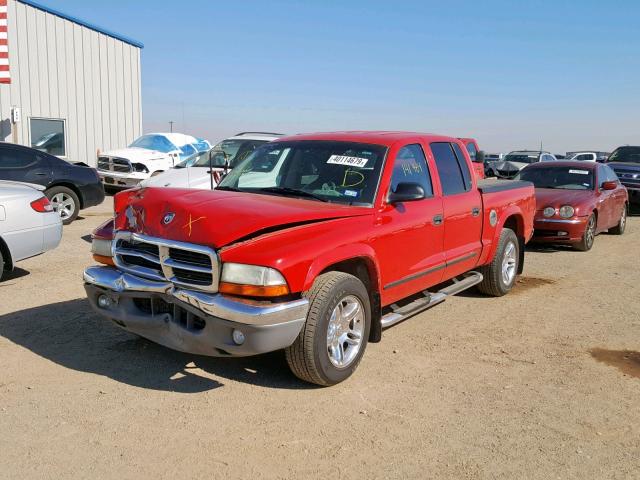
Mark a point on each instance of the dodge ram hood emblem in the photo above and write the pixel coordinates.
(168, 218)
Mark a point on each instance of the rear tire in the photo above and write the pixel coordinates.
(337, 328)
(622, 223)
(1, 264)
(588, 237)
(500, 275)
(65, 202)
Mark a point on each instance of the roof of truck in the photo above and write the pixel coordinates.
(387, 138)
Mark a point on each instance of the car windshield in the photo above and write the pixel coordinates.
(521, 157)
(198, 159)
(154, 142)
(625, 155)
(340, 172)
(566, 178)
(232, 151)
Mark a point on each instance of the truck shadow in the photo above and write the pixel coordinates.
(71, 335)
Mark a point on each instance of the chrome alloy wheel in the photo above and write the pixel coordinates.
(509, 263)
(623, 218)
(590, 234)
(344, 331)
(63, 204)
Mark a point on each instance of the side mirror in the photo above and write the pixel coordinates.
(406, 192)
(609, 185)
(479, 156)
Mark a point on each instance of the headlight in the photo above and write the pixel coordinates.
(101, 247)
(549, 212)
(252, 281)
(566, 211)
(139, 167)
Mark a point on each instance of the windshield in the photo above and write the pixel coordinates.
(340, 172)
(233, 151)
(521, 157)
(566, 178)
(625, 155)
(154, 142)
(199, 159)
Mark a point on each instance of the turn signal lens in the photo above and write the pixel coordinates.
(549, 212)
(42, 205)
(253, 290)
(566, 211)
(104, 260)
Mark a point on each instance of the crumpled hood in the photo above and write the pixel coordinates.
(555, 197)
(507, 166)
(135, 154)
(190, 177)
(218, 218)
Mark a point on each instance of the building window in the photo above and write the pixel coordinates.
(48, 136)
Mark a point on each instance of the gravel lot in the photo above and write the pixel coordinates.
(474, 388)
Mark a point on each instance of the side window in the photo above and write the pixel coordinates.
(451, 177)
(411, 166)
(17, 158)
(464, 168)
(471, 148)
(611, 175)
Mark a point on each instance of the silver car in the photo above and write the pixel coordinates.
(28, 224)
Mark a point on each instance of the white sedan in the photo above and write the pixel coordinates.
(28, 224)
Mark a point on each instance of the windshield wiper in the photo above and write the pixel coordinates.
(228, 189)
(292, 192)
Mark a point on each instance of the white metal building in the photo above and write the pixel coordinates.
(66, 86)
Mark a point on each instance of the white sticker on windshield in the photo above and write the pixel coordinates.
(350, 161)
(580, 172)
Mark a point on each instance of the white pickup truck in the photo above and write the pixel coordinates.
(147, 156)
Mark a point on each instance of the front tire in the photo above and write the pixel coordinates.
(500, 275)
(622, 223)
(589, 235)
(1, 265)
(334, 336)
(65, 202)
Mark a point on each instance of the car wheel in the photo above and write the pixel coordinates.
(588, 236)
(65, 202)
(334, 336)
(500, 275)
(1, 265)
(622, 223)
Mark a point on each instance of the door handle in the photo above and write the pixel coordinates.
(40, 174)
(475, 211)
(437, 220)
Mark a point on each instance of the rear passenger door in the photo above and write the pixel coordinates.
(462, 205)
(24, 165)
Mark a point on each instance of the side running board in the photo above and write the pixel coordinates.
(399, 314)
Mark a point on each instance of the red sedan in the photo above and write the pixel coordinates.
(576, 201)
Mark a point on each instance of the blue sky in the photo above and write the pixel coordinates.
(512, 75)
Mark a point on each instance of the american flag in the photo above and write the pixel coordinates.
(5, 75)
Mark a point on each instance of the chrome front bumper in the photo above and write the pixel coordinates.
(265, 326)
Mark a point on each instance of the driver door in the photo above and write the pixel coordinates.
(409, 235)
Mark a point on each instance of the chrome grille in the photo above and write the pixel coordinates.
(114, 164)
(507, 173)
(185, 264)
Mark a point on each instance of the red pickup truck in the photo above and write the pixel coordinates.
(313, 244)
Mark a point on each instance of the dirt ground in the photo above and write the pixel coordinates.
(475, 388)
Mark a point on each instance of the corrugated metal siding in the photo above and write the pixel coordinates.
(64, 70)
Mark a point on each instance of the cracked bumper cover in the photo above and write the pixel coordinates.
(266, 326)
